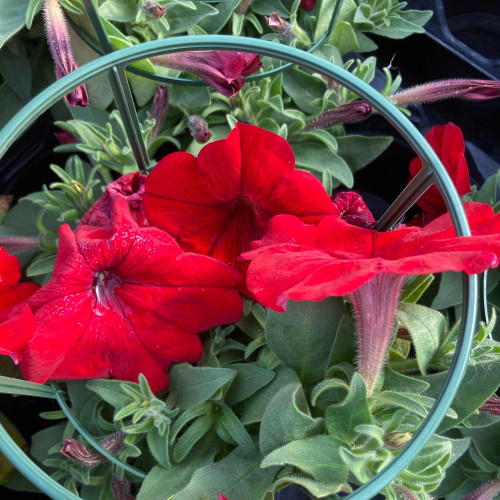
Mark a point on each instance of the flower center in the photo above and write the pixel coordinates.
(104, 285)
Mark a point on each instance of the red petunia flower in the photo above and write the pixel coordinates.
(16, 318)
(448, 143)
(307, 4)
(308, 262)
(225, 71)
(351, 207)
(124, 301)
(220, 202)
(129, 187)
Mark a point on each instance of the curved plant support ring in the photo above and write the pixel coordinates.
(432, 172)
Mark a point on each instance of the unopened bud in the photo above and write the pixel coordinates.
(352, 112)
(199, 129)
(396, 440)
(243, 6)
(474, 90)
(487, 491)
(120, 489)
(154, 9)
(5, 202)
(79, 453)
(160, 107)
(281, 27)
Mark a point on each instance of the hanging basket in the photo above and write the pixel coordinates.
(113, 65)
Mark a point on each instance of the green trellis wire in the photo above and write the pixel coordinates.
(433, 172)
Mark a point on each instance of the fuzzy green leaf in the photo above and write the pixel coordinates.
(303, 336)
(194, 385)
(249, 379)
(287, 418)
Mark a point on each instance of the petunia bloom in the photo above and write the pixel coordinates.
(333, 258)
(225, 71)
(221, 201)
(16, 318)
(123, 301)
(60, 48)
(448, 143)
(130, 187)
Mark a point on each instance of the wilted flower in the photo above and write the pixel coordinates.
(224, 70)
(130, 187)
(351, 207)
(243, 6)
(120, 488)
(58, 38)
(474, 90)
(199, 129)
(487, 491)
(280, 26)
(79, 453)
(154, 9)
(307, 4)
(351, 112)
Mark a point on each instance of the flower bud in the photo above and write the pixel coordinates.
(199, 129)
(474, 90)
(154, 9)
(79, 453)
(487, 491)
(243, 6)
(352, 112)
(160, 107)
(281, 27)
(396, 440)
(120, 488)
(60, 48)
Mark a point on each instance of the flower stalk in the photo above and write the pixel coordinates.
(79, 453)
(488, 491)
(375, 304)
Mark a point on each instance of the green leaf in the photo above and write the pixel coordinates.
(161, 483)
(249, 379)
(415, 287)
(450, 291)
(397, 382)
(287, 418)
(193, 385)
(42, 264)
(318, 456)
(181, 17)
(23, 387)
(343, 36)
(33, 9)
(123, 11)
(110, 390)
(191, 436)
(316, 488)
(341, 419)
(213, 24)
(252, 409)
(236, 476)
(359, 150)
(303, 88)
(16, 70)
(358, 464)
(235, 428)
(479, 383)
(303, 336)
(426, 327)
(12, 19)
(344, 345)
(318, 158)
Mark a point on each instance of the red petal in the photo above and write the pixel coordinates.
(10, 270)
(16, 329)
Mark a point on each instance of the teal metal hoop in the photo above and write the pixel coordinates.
(432, 172)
